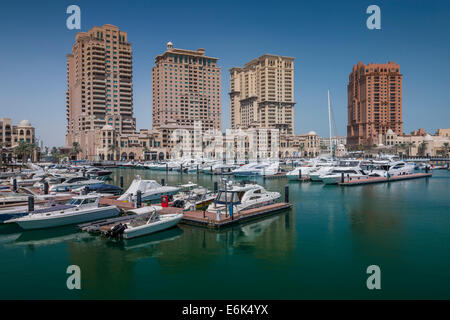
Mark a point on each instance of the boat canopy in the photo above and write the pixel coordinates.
(228, 197)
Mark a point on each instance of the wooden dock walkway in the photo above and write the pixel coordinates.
(371, 180)
(209, 219)
(112, 201)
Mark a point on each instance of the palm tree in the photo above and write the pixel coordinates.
(23, 150)
(422, 147)
(445, 149)
(302, 146)
(76, 149)
(113, 148)
(408, 150)
(55, 154)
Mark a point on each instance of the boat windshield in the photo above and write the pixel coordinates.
(74, 202)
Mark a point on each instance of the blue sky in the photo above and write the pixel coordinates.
(326, 37)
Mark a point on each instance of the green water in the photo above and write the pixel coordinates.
(319, 249)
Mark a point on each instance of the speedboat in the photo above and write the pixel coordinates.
(74, 183)
(23, 210)
(242, 197)
(336, 174)
(150, 190)
(78, 210)
(142, 225)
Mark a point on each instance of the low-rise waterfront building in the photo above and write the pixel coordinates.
(11, 135)
(418, 143)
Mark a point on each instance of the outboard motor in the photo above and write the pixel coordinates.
(117, 230)
(178, 204)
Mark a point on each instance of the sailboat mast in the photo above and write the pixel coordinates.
(329, 122)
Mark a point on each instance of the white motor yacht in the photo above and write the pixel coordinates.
(310, 167)
(242, 197)
(336, 174)
(150, 189)
(257, 169)
(397, 168)
(77, 210)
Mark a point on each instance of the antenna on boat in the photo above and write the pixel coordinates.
(329, 122)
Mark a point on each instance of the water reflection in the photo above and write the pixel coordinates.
(36, 238)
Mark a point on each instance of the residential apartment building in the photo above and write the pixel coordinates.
(11, 135)
(186, 87)
(301, 145)
(143, 145)
(99, 86)
(374, 102)
(262, 94)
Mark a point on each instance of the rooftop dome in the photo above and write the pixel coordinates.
(24, 123)
(169, 45)
(312, 133)
(390, 131)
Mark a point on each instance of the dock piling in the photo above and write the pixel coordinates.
(30, 203)
(299, 174)
(286, 194)
(15, 185)
(45, 187)
(215, 187)
(138, 198)
(121, 182)
(163, 182)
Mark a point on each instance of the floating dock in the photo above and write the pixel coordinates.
(371, 180)
(209, 219)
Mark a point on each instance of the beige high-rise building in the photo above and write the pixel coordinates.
(186, 87)
(99, 86)
(262, 94)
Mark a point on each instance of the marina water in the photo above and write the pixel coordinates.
(320, 248)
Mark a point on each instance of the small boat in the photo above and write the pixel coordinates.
(78, 210)
(150, 190)
(142, 226)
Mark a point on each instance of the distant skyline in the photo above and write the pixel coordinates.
(326, 38)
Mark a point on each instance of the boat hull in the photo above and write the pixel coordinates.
(91, 215)
(147, 229)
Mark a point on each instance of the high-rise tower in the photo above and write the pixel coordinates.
(99, 86)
